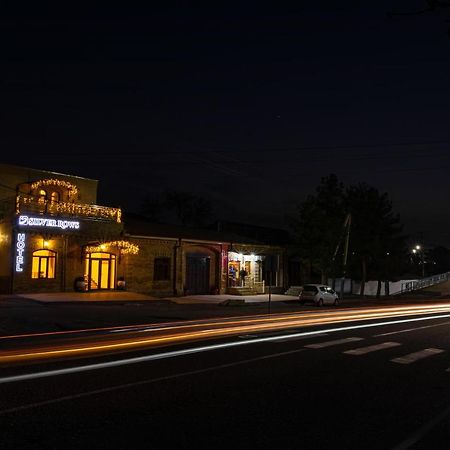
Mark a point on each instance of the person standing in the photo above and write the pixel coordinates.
(242, 275)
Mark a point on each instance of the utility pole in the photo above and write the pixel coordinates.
(347, 225)
(345, 236)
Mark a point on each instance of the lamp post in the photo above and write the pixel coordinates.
(419, 250)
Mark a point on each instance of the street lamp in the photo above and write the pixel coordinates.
(418, 249)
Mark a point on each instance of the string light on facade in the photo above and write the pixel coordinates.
(125, 247)
(77, 209)
(73, 190)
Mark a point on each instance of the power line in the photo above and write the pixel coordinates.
(223, 149)
(313, 147)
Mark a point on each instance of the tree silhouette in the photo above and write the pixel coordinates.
(317, 224)
(376, 230)
(181, 207)
(433, 6)
(376, 242)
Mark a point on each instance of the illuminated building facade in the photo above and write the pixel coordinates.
(55, 238)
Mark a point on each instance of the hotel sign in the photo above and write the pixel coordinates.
(27, 221)
(20, 249)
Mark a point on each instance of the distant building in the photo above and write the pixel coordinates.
(55, 238)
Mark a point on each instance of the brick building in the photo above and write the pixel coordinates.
(175, 260)
(55, 238)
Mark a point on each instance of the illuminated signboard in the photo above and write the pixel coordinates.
(26, 221)
(20, 248)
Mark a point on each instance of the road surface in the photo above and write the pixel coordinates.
(366, 383)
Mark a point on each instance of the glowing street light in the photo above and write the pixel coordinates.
(418, 249)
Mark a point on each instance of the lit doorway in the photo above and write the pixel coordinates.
(100, 271)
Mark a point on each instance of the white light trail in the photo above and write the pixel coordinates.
(194, 350)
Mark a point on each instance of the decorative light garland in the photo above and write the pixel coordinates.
(73, 190)
(125, 247)
(80, 209)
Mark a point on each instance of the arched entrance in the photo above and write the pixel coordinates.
(100, 270)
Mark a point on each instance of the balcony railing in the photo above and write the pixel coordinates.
(30, 204)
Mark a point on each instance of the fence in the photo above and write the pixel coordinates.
(413, 285)
(400, 287)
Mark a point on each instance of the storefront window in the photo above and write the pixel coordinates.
(44, 264)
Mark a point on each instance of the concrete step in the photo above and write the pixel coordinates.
(241, 291)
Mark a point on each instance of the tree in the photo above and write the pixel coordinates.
(437, 260)
(376, 231)
(181, 207)
(376, 243)
(431, 6)
(317, 225)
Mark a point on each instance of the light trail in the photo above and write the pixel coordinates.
(230, 320)
(194, 350)
(176, 333)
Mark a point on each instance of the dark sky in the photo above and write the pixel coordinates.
(247, 105)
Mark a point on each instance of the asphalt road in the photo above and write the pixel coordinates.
(378, 387)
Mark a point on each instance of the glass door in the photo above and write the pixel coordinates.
(100, 270)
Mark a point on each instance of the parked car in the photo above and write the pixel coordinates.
(318, 294)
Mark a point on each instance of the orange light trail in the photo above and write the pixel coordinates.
(180, 332)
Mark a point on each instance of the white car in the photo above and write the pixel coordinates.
(318, 294)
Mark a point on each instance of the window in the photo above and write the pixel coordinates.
(55, 196)
(309, 288)
(44, 264)
(42, 195)
(161, 270)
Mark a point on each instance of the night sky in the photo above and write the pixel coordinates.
(246, 105)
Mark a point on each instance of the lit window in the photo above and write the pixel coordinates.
(161, 270)
(42, 195)
(44, 264)
(55, 196)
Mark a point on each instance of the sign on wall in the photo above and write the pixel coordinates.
(20, 249)
(28, 221)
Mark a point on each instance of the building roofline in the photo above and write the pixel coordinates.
(202, 241)
(48, 171)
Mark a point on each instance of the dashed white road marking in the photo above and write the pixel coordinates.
(372, 348)
(336, 342)
(413, 357)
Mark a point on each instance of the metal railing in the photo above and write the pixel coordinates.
(29, 204)
(414, 285)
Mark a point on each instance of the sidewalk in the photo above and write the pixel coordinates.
(126, 296)
(42, 313)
